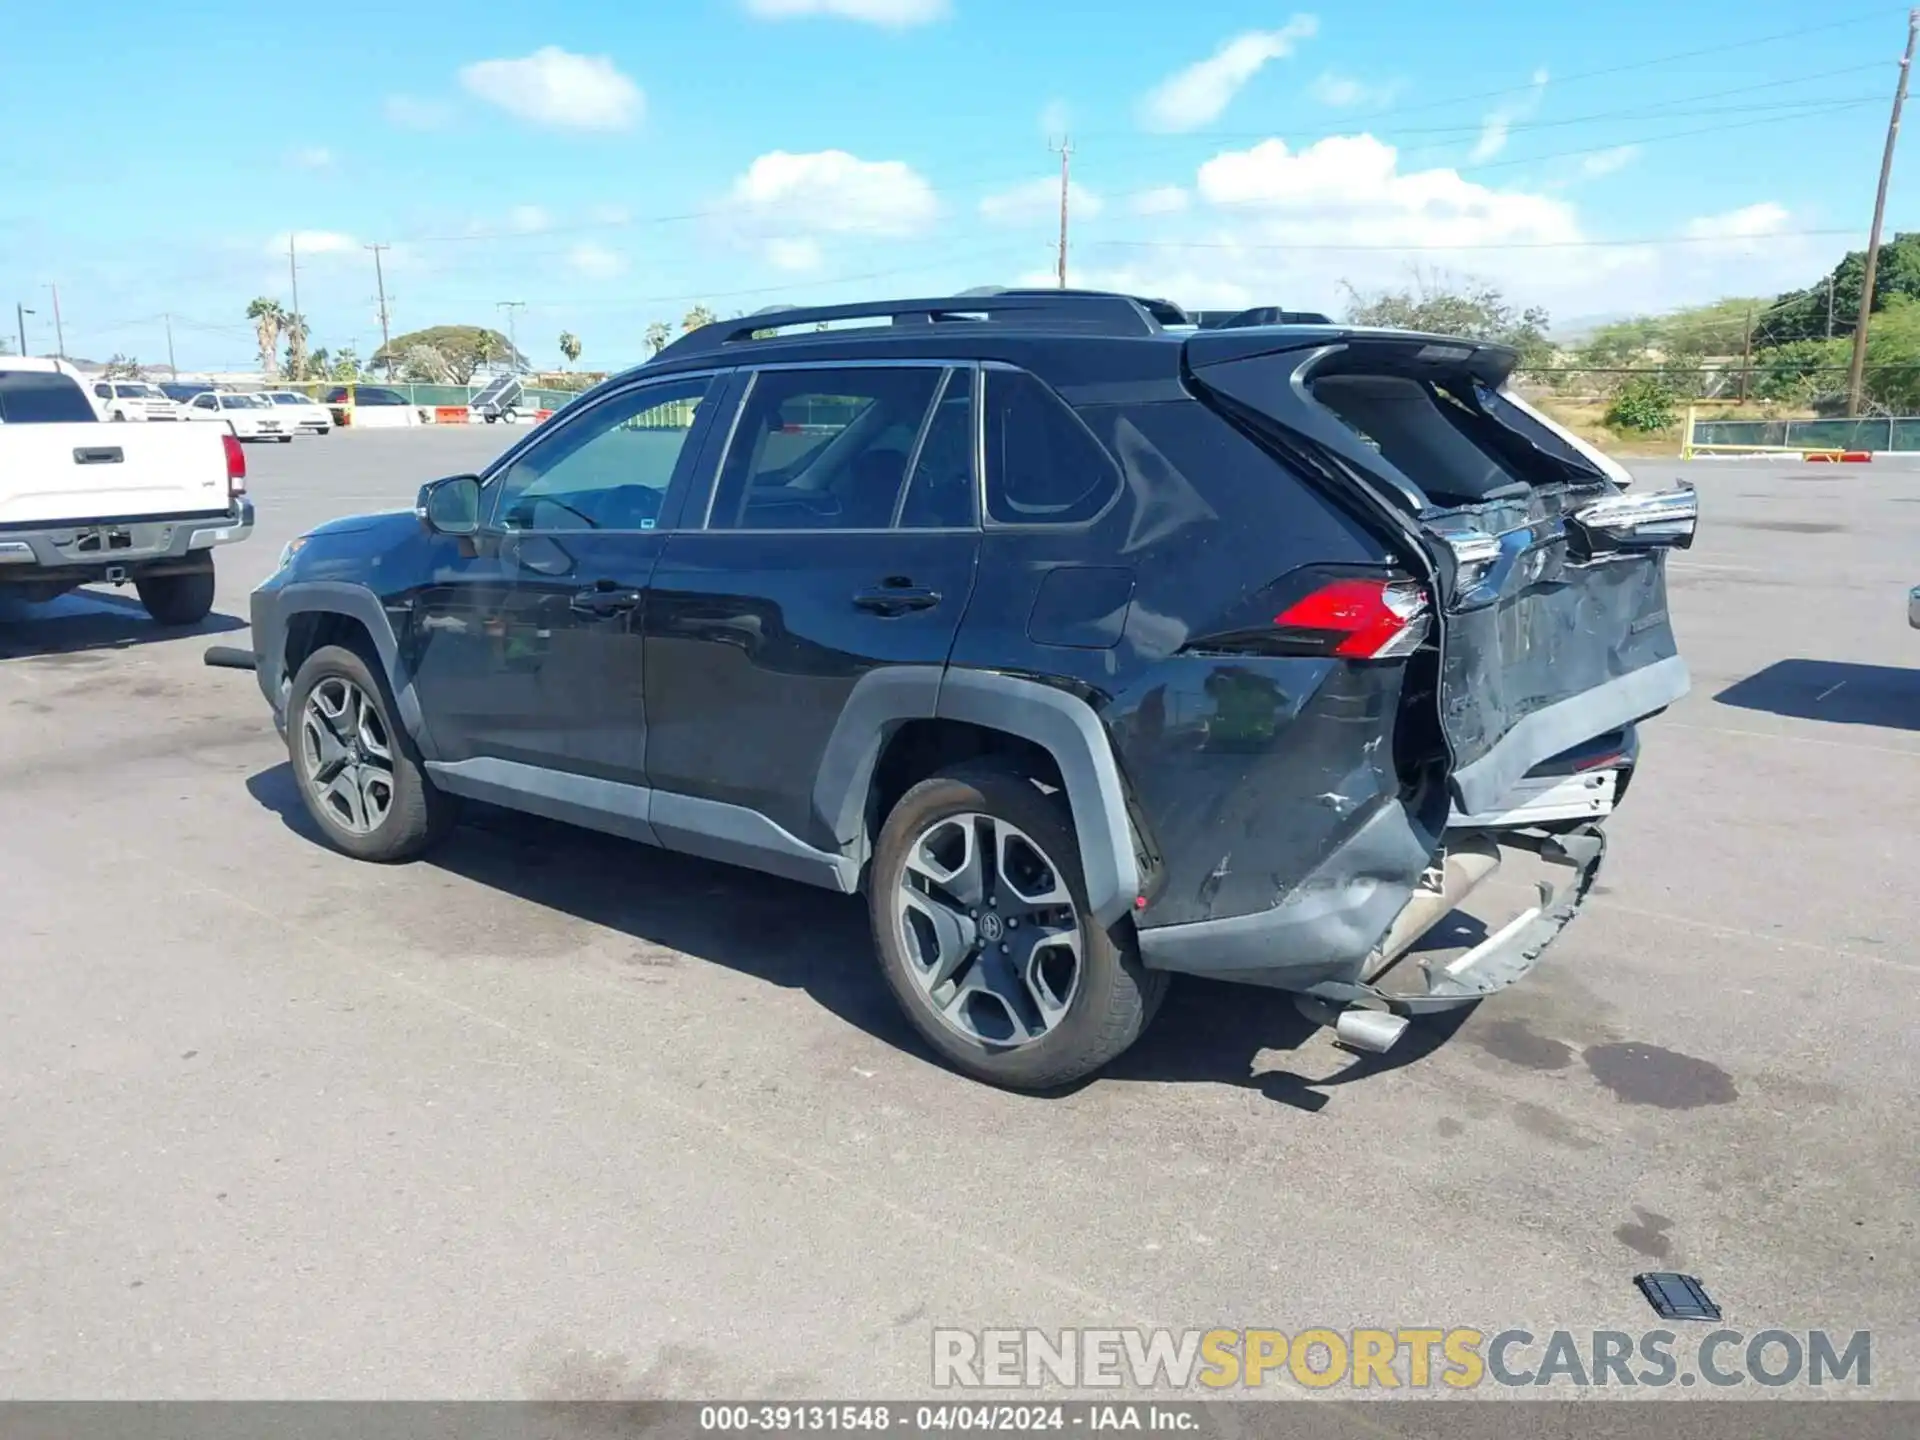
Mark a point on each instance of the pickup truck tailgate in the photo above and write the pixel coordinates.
(52, 474)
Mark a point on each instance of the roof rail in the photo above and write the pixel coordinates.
(1095, 312)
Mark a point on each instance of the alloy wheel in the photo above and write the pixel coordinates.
(989, 930)
(347, 755)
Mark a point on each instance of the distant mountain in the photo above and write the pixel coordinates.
(1578, 329)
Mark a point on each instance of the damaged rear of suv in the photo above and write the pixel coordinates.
(1089, 643)
(1486, 680)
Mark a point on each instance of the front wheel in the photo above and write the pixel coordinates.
(981, 921)
(358, 770)
(284, 439)
(177, 599)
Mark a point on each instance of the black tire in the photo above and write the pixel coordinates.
(284, 439)
(1116, 997)
(183, 599)
(419, 814)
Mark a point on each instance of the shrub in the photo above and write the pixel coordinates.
(1644, 404)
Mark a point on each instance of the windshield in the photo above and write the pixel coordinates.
(242, 402)
(137, 392)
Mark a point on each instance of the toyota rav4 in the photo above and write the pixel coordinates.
(1087, 643)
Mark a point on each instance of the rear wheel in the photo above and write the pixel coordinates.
(357, 769)
(284, 439)
(177, 599)
(980, 918)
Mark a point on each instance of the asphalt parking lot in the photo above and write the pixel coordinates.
(552, 1115)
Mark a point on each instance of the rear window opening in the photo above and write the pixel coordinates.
(1456, 437)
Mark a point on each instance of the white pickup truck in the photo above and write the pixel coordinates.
(83, 502)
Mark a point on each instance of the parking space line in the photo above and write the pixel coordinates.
(1735, 933)
(1796, 739)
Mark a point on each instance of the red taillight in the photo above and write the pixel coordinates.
(236, 466)
(1360, 619)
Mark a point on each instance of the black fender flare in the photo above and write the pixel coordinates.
(1063, 725)
(358, 603)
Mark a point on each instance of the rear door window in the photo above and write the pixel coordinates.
(42, 397)
(828, 449)
(1043, 465)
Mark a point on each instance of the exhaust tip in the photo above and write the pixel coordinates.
(1374, 1031)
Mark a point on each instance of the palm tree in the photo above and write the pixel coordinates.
(294, 327)
(267, 316)
(696, 317)
(570, 346)
(658, 334)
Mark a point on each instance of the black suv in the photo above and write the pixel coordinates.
(1088, 643)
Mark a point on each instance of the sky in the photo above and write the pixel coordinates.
(609, 165)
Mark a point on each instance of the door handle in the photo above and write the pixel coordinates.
(603, 602)
(895, 599)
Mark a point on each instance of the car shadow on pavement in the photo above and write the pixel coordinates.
(802, 937)
(90, 620)
(1838, 691)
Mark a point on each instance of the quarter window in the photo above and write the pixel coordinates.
(608, 468)
(824, 449)
(1043, 466)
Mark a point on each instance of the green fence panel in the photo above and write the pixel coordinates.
(1866, 433)
(1741, 432)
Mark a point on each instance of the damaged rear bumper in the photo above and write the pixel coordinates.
(1506, 954)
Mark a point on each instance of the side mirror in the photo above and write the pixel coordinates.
(450, 506)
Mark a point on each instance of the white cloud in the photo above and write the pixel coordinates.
(1274, 225)
(1197, 95)
(1502, 118)
(794, 253)
(559, 89)
(528, 219)
(1747, 223)
(892, 14)
(1605, 162)
(1343, 92)
(312, 157)
(596, 262)
(410, 112)
(1056, 118)
(1161, 200)
(312, 242)
(830, 192)
(1038, 199)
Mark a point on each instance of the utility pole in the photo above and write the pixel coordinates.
(20, 314)
(1829, 306)
(296, 343)
(379, 279)
(513, 344)
(59, 331)
(1065, 149)
(1746, 356)
(1857, 369)
(175, 369)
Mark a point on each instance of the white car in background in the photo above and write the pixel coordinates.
(252, 416)
(132, 400)
(307, 415)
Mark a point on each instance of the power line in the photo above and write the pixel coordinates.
(1650, 243)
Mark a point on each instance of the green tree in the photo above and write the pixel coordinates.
(293, 329)
(1644, 404)
(453, 352)
(1440, 304)
(570, 346)
(345, 366)
(1803, 314)
(696, 317)
(268, 316)
(658, 334)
